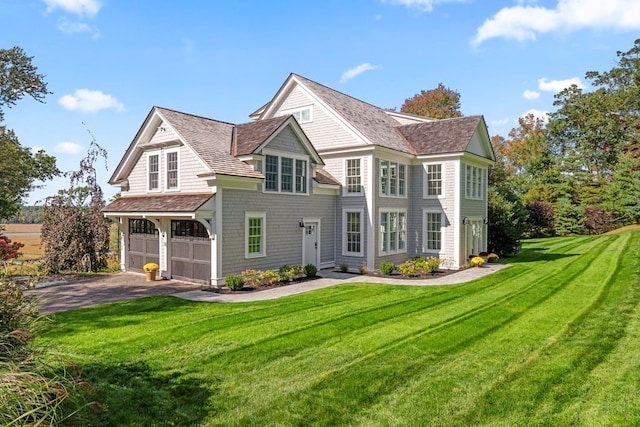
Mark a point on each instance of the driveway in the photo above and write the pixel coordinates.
(63, 295)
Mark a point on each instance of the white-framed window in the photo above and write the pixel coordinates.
(302, 115)
(153, 168)
(285, 174)
(393, 231)
(433, 180)
(474, 182)
(352, 242)
(255, 232)
(172, 170)
(393, 178)
(432, 231)
(353, 176)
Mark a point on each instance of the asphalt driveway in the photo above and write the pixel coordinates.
(68, 294)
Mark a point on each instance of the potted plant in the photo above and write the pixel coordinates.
(151, 269)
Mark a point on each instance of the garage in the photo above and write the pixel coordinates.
(143, 244)
(190, 251)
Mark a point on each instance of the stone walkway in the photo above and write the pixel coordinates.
(66, 295)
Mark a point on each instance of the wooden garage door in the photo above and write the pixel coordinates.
(143, 244)
(190, 251)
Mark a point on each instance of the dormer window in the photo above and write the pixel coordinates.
(285, 174)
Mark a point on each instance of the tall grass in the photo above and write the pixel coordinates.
(551, 340)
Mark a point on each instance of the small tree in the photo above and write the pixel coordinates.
(75, 233)
(507, 222)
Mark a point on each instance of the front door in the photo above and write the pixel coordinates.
(474, 237)
(311, 243)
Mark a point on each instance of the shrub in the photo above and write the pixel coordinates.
(268, 277)
(286, 273)
(492, 257)
(477, 261)
(432, 264)
(235, 282)
(386, 267)
(251, 277)
(344, 267)
(419, 266)
(483, 254)
(310, 270)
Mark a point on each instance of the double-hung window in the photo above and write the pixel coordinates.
(285, 174)
(353, 176)
(255, 223)
(172, 170)
(393, 178)
(153, 165)
(432, 231)
(474, 188)
(352, 232)
(433, 180)
(393, 231)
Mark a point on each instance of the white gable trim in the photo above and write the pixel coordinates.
(286, 89)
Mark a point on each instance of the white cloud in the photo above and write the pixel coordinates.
(348, 75)
(531, 94)
(82, 8)
(527, 22)
(544, 115)
(556, 86)
(90, 101)
(68, 148)
(500, 122)
(424, 5)
(69, 27)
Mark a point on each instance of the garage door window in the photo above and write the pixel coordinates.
(142, 226)
(188, 229)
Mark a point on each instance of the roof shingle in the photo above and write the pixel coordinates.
(441, 136)
(159, 203)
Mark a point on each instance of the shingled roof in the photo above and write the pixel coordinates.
(211, 140)
(159, 203)
(250, 136)
(371, 121)
(441, 136)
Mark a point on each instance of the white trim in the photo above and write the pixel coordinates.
(292, 111)
(345, 211)
(166, 169)
(294, 157)
(263, 234)
(425, 181)
(379, 232)
(457, 215)
(318, 222)
(149, 154)
(406, 179)
(441, 251)
(345, 187)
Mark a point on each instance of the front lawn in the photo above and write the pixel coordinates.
(552, 340)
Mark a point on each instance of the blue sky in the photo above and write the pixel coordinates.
(108, 62)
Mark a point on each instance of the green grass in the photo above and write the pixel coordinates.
(551, 340)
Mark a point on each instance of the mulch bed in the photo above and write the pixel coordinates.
(247, 289)
(434, 275)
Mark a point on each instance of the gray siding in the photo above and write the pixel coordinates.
(287, 141)
(284, 238)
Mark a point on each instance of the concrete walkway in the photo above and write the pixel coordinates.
(70, 294)
(331, 278)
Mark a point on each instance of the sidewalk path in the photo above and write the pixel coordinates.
(63, 295)
(331, 278)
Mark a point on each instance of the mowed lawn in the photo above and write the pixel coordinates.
(553, 340)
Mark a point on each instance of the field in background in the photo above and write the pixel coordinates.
(29, 234)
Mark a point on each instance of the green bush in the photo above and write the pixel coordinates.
(419, 266)
(235, 282)
(310, 270)
(289, 274)
(386, 267)
(344, 267)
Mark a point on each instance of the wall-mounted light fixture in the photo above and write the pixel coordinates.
(466, 221)
(301, 223)
(485, 220)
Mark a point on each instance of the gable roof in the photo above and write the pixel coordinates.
(249, 136)
(211, 141)
(370, 121)
(441, 136)
(378, 126)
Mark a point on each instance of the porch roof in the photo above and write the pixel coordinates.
(170, 203)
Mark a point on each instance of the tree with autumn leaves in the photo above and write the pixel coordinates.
(438, 103)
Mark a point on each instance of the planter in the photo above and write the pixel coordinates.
(151, 276)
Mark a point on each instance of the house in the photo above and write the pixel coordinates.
(317, 177)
